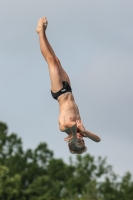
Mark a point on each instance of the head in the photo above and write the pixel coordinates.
(78, 147)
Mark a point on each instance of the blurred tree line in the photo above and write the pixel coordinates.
(37, 175)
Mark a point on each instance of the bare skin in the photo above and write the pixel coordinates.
(69, 117)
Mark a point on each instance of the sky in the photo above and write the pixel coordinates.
(94, 41)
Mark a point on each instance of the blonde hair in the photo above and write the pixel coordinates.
(76, 150)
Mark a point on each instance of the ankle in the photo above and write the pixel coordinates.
(40, 30)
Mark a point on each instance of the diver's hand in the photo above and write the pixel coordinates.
(80, 125)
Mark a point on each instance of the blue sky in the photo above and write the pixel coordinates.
(94, 42)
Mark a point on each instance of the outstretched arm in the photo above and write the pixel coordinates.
(88, 134)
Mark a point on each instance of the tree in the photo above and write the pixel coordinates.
(37, 175)
(10, 187)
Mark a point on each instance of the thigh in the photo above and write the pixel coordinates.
(55, 76)
(64, 75)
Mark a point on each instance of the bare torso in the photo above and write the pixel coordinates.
(69, 115)
(69, 111)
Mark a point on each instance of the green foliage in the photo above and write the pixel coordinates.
(10, 187)
(37, 175)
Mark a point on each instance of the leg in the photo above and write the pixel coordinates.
(62, 71)
(56, 73)
(64, 75)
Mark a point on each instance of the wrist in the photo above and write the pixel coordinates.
(82, 128)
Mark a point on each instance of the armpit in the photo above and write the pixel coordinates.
(66, 127)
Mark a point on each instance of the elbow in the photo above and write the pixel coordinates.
(98, 139)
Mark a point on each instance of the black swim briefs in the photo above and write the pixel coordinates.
(66, 88)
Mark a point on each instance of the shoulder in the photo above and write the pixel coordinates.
(66, 126)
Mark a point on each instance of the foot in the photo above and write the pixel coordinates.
(42, 25)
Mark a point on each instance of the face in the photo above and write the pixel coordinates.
(80, 141)
(78, 147)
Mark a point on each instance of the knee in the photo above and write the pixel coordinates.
(51, 59)
(57, 60)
